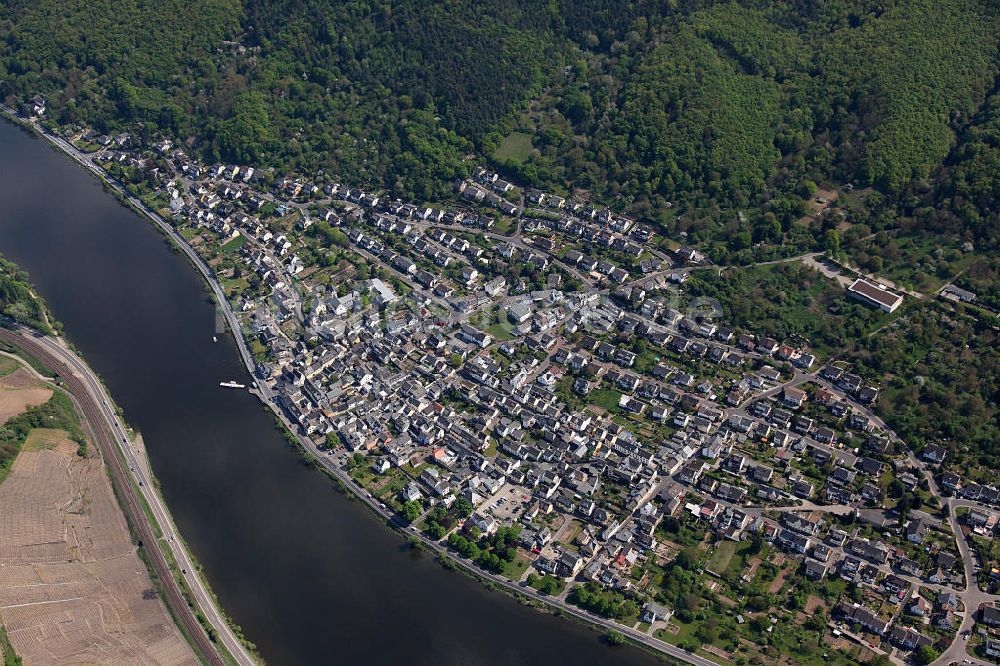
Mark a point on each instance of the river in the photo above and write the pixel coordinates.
(309, 575)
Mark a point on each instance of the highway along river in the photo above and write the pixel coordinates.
(312, 577)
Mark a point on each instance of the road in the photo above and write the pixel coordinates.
(220, 295)
(109, 434)
(265, 393)
(971, 596)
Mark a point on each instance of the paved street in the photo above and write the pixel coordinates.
(109, 434)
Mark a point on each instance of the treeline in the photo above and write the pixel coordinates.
(967, 196)
(492, 553)
(17, 300)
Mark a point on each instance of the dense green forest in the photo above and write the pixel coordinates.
(644, 103)
(718, 120)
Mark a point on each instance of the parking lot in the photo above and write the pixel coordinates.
(507, 504)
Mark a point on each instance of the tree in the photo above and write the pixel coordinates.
(614, 638)
(925, 654)
(411, 511)
(833, 242)
(462, 507)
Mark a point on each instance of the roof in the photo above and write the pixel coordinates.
(793, 393)
(875, 293)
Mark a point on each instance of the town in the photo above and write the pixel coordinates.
(521, 378)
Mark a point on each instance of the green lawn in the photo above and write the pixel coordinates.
(557, 584)
(504, 225)
(722, 555)
(234, 244)
(499, 331)
(605, 398)
(516, 147)
(235, 286)
(394, 486)
(684, 631)
(514, 570)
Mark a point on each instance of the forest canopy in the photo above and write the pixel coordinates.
(642, 103)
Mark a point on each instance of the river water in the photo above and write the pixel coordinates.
(311, 576)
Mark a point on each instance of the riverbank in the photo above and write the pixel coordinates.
(199, 597)
(348, 483)
(69, 547)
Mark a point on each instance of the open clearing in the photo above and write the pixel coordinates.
(776, 584)
(8, 365)
(20, 390)
(516, 147)
(44, 439)
(72, 587)
(722, 556)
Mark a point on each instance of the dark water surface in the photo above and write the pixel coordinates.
(311, 577)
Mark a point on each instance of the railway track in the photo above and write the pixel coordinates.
(85, 396)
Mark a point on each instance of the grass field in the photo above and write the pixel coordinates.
(44, 439)
(504, 225)
(234, 244)
(235, 286)
(722, 556)
(606, 399)
(558, 584)
(514, 570)
(38, 366)
(7, 366)
(499, 331)
(516, 147)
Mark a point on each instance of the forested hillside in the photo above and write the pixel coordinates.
(660, 107)
(108, 62)
(751, 129)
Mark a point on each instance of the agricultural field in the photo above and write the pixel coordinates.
(73, 588)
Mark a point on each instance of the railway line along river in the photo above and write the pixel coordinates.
(310, 576)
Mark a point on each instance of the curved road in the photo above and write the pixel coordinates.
(265, 393)
(108, 433)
